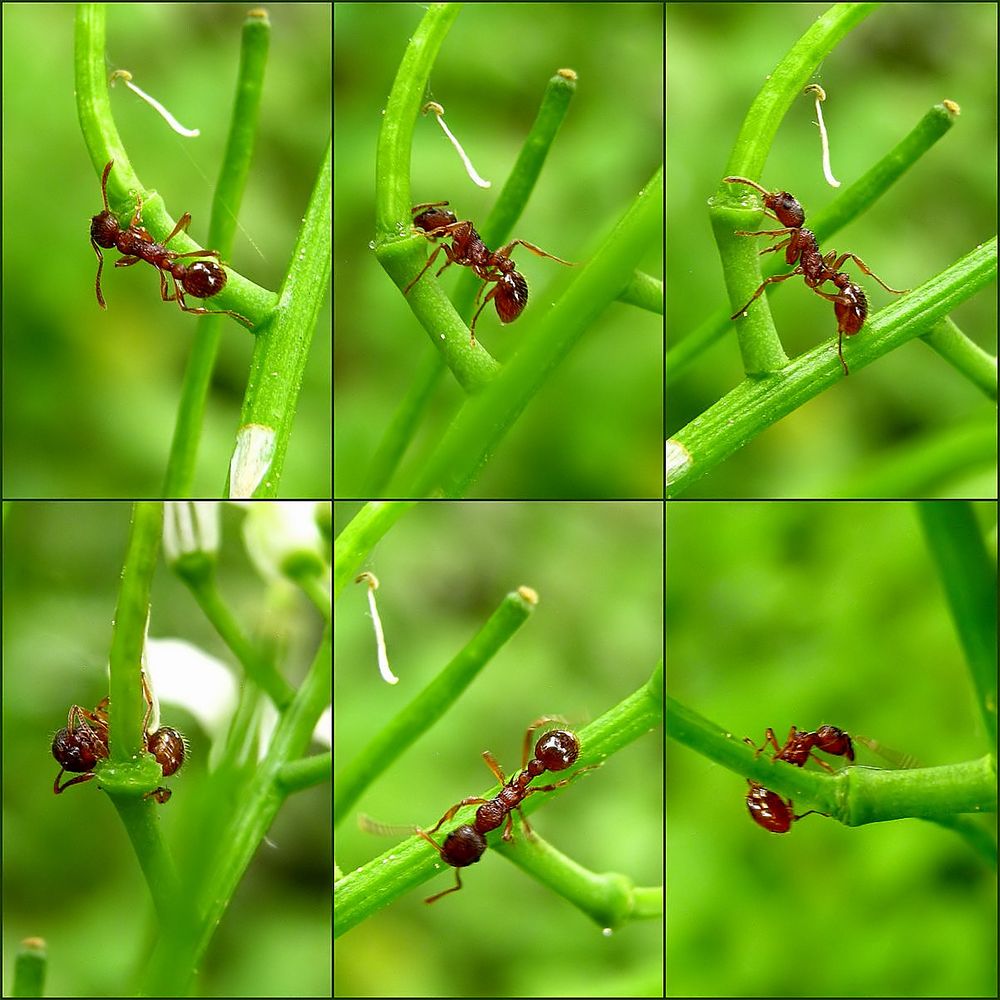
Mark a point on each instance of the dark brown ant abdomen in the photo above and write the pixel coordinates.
(168, 747)
(462, 847)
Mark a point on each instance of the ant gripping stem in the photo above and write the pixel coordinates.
(510, 290)
(556, 750)
(202, 279)
(802, 249)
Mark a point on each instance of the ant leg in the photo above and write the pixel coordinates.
(763, 232)
(471, 801)
(196, 253)
(774, 279)
(138, 211)
(472, 328)
(182, 223)
(452, 258)
(127, 261)
(97, 280)
(73, 781)
(178, 296)
(769, 737)
(871, 274)
(430, 260)
(505, 252)
(454, 888)
(491, 763)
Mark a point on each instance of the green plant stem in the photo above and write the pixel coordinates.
(757, 403)
(849, 205)
(485, 419)
(282, 349)
(968, 575)
(260, 668)
(226, 201)
(129, 635)
(431, 703)
(644, 291)
(495, 229)
(386, 878)
(30, 966)
(966, 356)
(297, 775)
(759, 343)
(104, 143)
(355, 543)
(855, 795)
(179, 953)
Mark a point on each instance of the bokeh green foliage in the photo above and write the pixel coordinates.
(594, 637)
(880, 81)
(804, 614)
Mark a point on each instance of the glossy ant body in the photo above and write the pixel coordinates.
(510, 291)
(84, 743)
(202, 279)
(802, 249)
(556, 750)
(767, 808)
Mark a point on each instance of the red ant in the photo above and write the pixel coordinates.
(555, 751)
(849, 303)
(767, 808)
(84, 743)
(202, 279)
(510, 293)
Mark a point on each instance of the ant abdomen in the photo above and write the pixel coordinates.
(203, 279)
(557, 750)
(464, 846)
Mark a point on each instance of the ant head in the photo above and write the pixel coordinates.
(557, 750)
(433, 218)
(104, 230)
(787, 209)
(78, 751)
(203, 279)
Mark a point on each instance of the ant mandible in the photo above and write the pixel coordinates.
(767, 808)
(801, 247)
(510, 291)
(556, 750)
(202, 279)
(83, 743)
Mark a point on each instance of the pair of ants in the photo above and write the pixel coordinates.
(554, 751)
(802, 248)
(84, 743)
(202, 279)
(510, 290)
(767, 808)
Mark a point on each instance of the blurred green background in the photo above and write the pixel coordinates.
(69, 872)
(595, 430)
(593, 639)
(804, 614)
(880, 81)
(91, 396)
